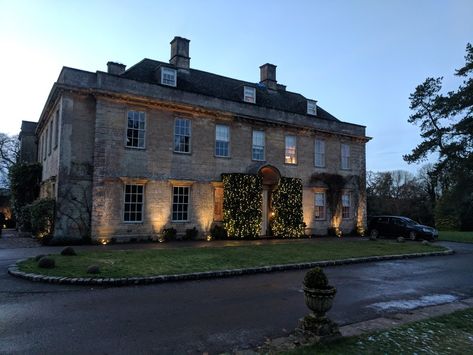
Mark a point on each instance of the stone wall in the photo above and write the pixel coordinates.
(75, 166)
(158, 167)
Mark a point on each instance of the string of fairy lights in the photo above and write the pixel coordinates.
(242, 203)
(288, 221)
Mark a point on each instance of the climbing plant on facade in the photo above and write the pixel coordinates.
(288, 219)
(242, 201)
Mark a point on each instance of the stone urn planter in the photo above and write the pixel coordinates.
(318, 296)
(319, 301)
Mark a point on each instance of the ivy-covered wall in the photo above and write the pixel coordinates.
(288, 219)
(25, 182)
(242, 201)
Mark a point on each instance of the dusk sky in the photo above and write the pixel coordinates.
(359, 59)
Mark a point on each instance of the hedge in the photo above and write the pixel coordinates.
(242, 201)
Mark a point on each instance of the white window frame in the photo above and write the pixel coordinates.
(345, 156)
(140, 115)
(319, 153)
(188, 204)
(131, 202)
(182, 135)
(249, 94)
(346, 205)
(290, 152)
(323, 206)
(312, 107)
(258, 146)
(227, 141)
(168, 76)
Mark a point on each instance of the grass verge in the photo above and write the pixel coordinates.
(449, 334)
(131, 263)
(454, 236)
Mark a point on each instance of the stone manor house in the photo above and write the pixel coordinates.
(129, 152)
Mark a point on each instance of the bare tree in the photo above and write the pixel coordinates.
(9, 152)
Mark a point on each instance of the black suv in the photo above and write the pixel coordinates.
(397, 226)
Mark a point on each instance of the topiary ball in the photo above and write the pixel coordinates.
(68, 251)
(46, 262)
(316, 279)
(93, 269)
(400, 239)
(37, 257)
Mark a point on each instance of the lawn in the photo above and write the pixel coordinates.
(453, 236)
(131, 263)
(449, 334)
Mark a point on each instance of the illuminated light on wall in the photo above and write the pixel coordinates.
(338, 232)
(360, 217)
(105, 229)
(159, 215)
(208, 238)
(204, 218)
(104, 241)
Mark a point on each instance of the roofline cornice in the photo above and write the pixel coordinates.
(58, 88)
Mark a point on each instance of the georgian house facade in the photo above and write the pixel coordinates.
(127, 153)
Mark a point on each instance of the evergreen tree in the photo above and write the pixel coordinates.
(446, 123)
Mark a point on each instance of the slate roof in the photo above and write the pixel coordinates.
(222, 87)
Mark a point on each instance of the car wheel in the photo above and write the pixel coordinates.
(374, 234)
(412, 235)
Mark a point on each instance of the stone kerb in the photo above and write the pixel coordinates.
(127, 281)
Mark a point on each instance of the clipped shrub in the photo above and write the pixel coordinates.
(288, 219)
(400, 239)
(93, 269)
(358, 231)
(169, 234)
(68, 251)
(334, 232)
(191, 234)
(24, 218)
(37, 257)
(218, 232)
(242, 201)
(316, 279)
(24, 185)
(41, 217)
(46, 262)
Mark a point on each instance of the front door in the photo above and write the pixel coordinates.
(264, 211)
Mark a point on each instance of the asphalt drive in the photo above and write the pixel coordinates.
(211, 315)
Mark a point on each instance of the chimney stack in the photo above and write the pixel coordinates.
(115, 68)
(268, 76)
(180, 53)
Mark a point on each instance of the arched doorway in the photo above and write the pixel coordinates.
(271, 177)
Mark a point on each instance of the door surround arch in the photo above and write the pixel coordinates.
(271, 177)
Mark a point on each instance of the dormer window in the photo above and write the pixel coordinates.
(249, 94)
(168, 76)
(312, 107)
